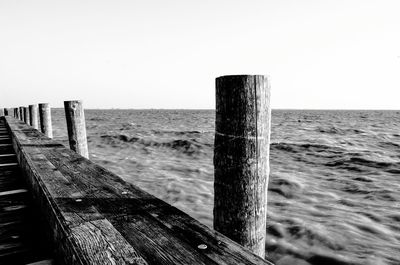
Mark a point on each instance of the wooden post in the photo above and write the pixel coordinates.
(2, 112)
(21, 113)
(75, 117)
(33, 113)
(26, 115)
(16, 113)
(7, 111)
(45, 119)
(241, 159)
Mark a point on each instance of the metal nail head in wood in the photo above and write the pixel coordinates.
(241, 159)
(76, 126)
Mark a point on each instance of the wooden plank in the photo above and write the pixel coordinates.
(11, 192)
(9, 179)
(8, 164)
(43, 262)
(92, 212)
(8, 159)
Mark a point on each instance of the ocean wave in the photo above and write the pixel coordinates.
(335, 130)
(298, 148)
(285, 187)
(188, 133)
(186, 146)
(359, 164)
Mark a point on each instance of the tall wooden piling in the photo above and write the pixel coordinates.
(241, 159)
(75, 117)
(26, 115)
(33, 114)
(45, 119)
(21, 113)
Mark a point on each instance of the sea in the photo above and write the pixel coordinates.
(334, 185)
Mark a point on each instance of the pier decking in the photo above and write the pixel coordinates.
(92, 216)
(21, 238)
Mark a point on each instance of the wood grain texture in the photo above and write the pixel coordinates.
(94, 217)
(76, 126)
(241, 155)
(45, 119)
(33, 116)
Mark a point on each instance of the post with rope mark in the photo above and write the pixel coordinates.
(241, 159)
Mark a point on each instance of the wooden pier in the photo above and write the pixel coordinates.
(90, 215)
(49, 193)
(21, 237)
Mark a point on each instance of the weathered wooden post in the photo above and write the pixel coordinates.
(241, 159)
(16, 110)
(75, 117)
(33, 113)
(45, 119)
(21, 113)
(2, 112)
(26, 115)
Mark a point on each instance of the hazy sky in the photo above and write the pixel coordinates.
(167, 53)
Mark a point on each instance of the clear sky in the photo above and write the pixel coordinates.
(166, 53)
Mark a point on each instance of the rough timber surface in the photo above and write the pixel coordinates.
(97, 218)
(20, 239)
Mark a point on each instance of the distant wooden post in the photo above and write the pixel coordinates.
(45, 119)
(241, 159)
(33, 113)
(16, 113)
(2, 112)
(75, 117)
(26, 115)
(21, 113)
